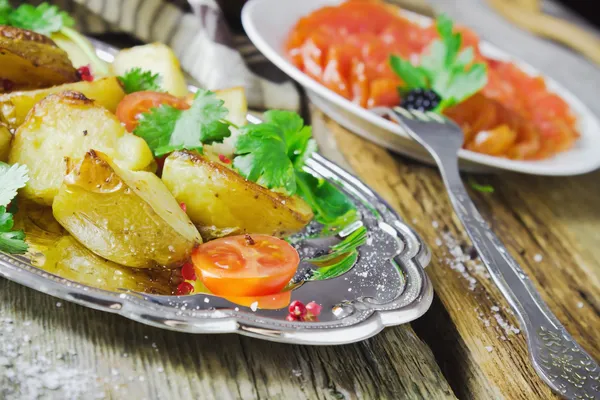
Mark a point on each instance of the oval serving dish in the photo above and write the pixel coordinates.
(386, 286)
(268, 25)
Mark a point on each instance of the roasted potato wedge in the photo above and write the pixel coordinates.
(127, 217)
(218, 198)
(15, 106)
(30, 60)
(69, 259)
(67, 125)
(155, 57)
(5, 139)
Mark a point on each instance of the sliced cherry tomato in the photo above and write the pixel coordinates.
(134, 104)
(268, 302)
(245, 265)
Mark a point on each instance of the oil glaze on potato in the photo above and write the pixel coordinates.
(5, 139)
(126, 217)
(29, 60)
(218, 198)
(67, 125)
(15, 106)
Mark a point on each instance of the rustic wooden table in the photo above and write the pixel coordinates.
(466, 346)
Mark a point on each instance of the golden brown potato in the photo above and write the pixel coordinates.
(15, 106)
(67, 125)
(69, 259)
(5, 139)
(219, 198)
(127, 217)
(30, 60)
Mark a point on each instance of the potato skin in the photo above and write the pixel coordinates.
(30, 60)
(67, 125)
(218, 198)
(5, 140)
(129, 218)
(15, 106)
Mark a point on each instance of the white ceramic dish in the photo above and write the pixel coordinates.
(268, 23)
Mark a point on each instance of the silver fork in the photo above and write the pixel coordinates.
(556, 357)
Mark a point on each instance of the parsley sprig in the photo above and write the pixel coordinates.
(273, 154)
(444, 69)
(139, 80)
(48, 19)
(12, 178)
(167, 129)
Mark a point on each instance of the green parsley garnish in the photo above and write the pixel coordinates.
(138, 80)
(445, 70)
(273, 154)
(44, 19)
(168, 129)
(12, 178)
(269, 153)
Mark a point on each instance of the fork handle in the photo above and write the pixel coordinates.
(557, 358)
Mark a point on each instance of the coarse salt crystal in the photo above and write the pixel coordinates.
(537, 258)
(254, 306)
(489, 349)
(580, 305)
(58, 304)
(435, 224)
(495, 308)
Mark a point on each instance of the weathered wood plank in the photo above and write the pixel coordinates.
(482, 353)
(91, 354)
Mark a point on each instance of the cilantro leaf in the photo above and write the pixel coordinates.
(138, 80)
(167, 129)
(298, 138)
(329, 204)
(268, 153)
(413, 77)
(44, 19)
(263, 157)
(156, 126)
(5, 11)
(12, 178)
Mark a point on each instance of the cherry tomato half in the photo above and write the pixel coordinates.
(245, 265)
(134, 104)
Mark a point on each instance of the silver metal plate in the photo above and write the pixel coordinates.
(387, 285)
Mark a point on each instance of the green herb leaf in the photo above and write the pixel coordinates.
(156, 127)
(167, 129)
(12, 242)
(467, 83)
(341, 257)
(447, 71)
(297, 136)
(138, 80)
(263, 157)
(329, 204)
(268, 153)
(413, 77)
(481, 188)
(44, 19)
(5, 11)
(12, 178)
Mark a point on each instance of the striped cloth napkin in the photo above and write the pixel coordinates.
(197, 32)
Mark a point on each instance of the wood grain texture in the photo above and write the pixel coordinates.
(121, 359)
(470, 327)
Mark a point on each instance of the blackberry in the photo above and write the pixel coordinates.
(420, 99)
